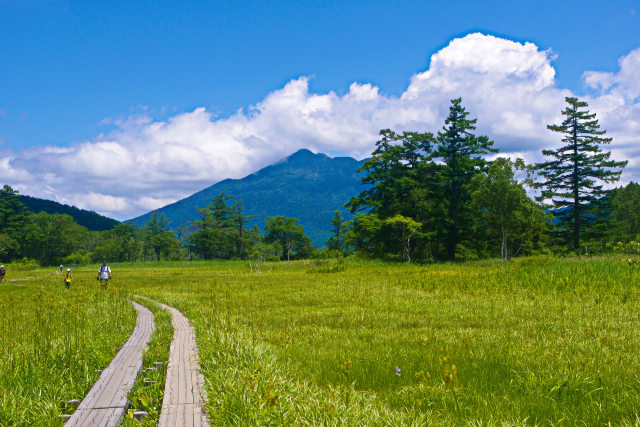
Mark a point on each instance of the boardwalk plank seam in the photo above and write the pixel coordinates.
(184, 394)
(106, 402)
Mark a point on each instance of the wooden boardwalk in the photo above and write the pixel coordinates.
(106, 402)
(184, 394)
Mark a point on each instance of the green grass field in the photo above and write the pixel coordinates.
(52, 342)
(537, 341)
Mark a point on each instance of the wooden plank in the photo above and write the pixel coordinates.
(184, 394)
(106, 402)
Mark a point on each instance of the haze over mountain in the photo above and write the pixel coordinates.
(305, 185)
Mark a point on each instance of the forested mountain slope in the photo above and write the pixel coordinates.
(92, 220)
(305, 185)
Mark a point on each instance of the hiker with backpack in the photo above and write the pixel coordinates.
(67, 279)
(104, 274)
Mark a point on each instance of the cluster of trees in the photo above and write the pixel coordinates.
(38, 236)
(221, 232)
(439, 197)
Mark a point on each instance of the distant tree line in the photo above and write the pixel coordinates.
(220, 232)
(430, 197)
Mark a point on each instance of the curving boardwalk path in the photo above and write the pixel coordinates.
(106, 402)
(184, 394)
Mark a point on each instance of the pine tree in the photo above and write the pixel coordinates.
(158, 236)
(399, 177)
(211, 235)
(239, 221)
(575, 174)
(336, 242)
(13, 222)
(461, 154)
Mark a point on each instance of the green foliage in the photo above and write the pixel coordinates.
(48, 238)
(399, 178)
(425, 180)
(290, 235)
(76, 258)
(89, 219)
(13, 219)
(23, 264)
(397, 168)
(574, 177)
(158, 238)
(263, 251)
(628, 248)
(403, 229)
(511, 220)
(221, 232)
(336, 241)
(51, 237)
(461, 153)
(364, 234)
(625, 215)
(122, 243)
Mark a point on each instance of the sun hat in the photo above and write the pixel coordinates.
(68, 269)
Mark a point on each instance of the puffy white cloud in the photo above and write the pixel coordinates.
(624, 83)
(617, 102)
(145, 164)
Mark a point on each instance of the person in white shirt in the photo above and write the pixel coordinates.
(104, 275)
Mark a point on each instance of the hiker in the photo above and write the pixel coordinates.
(2, 272)
(61, 267)
(104, 274)
(67, 279)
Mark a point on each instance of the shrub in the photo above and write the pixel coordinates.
(77, 259)
(24, 264)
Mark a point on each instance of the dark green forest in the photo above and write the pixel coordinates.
(440, 196)
(83, 217)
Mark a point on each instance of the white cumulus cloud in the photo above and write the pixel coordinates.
(508, 86)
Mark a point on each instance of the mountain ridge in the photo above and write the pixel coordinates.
(89, 219)
(304, 185)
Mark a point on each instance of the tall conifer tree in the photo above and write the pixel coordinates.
(336, 242)
(239, 223)
(577, 170)
(461, 153)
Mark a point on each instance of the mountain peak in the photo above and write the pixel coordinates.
(305, 154)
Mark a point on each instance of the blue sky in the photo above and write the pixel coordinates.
(82, 76)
